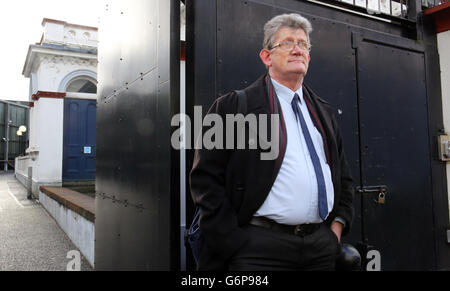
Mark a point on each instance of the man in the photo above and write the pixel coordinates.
(287, 213)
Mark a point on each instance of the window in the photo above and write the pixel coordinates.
(82, 86)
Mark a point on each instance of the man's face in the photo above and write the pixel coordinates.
(288, 63)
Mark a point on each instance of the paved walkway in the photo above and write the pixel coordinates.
(30, 239)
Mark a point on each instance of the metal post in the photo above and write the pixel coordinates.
(30, 182)
(6, 139)
(414, 8)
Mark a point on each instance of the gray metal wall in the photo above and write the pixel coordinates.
(137, 204)
(14, 116)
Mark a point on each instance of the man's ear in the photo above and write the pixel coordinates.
(265, 57)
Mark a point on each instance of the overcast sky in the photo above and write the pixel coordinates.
(20, 24)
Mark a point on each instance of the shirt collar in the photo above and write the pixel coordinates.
(285, 93)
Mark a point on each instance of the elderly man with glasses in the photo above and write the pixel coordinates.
(288, 213)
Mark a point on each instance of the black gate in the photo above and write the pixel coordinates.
(374, 73)
(137, 221)
(395, 152)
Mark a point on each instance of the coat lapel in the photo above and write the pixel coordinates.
(263, 100)
(322, 121)
(275, 108)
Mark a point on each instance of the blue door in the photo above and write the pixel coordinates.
(79, 139)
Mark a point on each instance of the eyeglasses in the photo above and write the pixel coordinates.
(289, 45)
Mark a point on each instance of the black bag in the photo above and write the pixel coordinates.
(193, 236)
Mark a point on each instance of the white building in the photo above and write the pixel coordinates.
(62, 68)
(441, 17)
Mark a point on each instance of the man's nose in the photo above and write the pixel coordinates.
(297, 50)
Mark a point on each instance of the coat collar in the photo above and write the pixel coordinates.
(263, 100)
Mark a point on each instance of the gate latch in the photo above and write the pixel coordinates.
(380, 190)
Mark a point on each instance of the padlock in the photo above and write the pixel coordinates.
(381, 198)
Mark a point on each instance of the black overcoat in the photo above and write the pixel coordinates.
(229, 185)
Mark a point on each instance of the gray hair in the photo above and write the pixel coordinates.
(285, 20)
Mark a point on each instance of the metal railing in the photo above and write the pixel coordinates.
(396, 8)
(393, 9)
(432, 3)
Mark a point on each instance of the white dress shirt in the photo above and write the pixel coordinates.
(293, 198)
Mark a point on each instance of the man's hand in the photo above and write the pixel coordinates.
(337, 227)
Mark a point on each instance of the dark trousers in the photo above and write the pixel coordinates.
(268, 250)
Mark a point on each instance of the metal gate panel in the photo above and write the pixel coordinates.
(396, 153)
(137, 204)
(238, 46)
